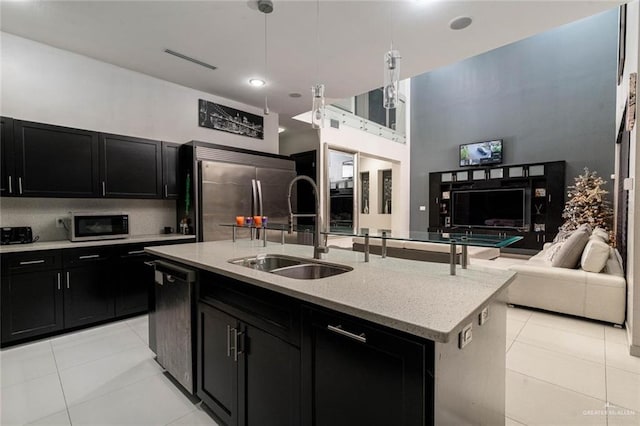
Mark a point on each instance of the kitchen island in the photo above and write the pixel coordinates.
(391, 342)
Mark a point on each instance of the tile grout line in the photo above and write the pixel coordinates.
(556, 385)
(66, 405)
(606, 379)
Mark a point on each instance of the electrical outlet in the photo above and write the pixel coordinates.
(465, 336)
(483, 316)
(423, 208)
(59, 222)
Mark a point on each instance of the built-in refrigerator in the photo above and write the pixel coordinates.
(232, 183)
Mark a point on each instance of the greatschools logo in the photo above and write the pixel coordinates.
(609, 410)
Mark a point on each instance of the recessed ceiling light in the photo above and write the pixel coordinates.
(295, 95)
(460, 23)
(256, 82)
(281, 129)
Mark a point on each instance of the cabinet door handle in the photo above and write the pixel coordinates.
(239, 340)
(228, 341)
(31, 262)
(136, 252)
(68, 280)
(166, 191)
(549, 197)
(58, 280)
(235, 345)
(338, 329)
(104, 189)
(20, 185)
(10, 186)
(153, 264)
(89, 256)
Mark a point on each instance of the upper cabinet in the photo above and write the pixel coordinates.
(7, 165)
(43, 160)
(170, 170)
(54, 161)
(130, 167)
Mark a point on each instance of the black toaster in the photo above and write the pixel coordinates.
(16, 235)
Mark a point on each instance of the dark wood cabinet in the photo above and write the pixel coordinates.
(357, 374)
(132, 278)
(269, 379)
(7, 165)
(32, 296)
(248, 353)
(217, 363)
(54, 161)
(543, 185)
(88, 293)
(130, 167)
(170, 161)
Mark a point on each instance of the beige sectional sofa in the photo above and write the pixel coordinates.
(596, 295)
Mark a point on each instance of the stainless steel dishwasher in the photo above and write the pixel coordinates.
(175, 322)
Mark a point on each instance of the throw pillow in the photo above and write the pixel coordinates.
(595, 255)
(569, 254)
(601, 233)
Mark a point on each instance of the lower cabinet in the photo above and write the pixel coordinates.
(48, 291)
(247, 376)
(88, 294)
(31, 304)
(357, 374)
(132, 279)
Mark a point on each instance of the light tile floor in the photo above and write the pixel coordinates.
(560, 371)
(103, 375)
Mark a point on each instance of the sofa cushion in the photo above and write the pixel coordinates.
(569, 254)
(595, 255)
(599, 232)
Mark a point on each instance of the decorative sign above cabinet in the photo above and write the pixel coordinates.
(226, 119)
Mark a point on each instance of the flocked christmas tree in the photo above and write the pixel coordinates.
(586, 203)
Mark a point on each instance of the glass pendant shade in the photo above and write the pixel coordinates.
(391, 79)
(317, 109)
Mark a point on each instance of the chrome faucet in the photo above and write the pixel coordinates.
(317, 248)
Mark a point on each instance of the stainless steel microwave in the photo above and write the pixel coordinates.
(82, 226)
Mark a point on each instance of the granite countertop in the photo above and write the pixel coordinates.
(419, 298)
(66, 244)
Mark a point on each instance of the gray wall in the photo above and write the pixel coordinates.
(549, 97)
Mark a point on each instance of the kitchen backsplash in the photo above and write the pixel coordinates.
(145, 216)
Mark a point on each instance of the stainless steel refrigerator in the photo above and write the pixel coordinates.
(233, 183)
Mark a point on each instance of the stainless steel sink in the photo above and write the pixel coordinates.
(291, 267)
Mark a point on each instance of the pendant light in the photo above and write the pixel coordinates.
(391, 86)
(266, 7)
(317, 91)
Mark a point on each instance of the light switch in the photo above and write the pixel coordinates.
(465, 336)
(423, 208)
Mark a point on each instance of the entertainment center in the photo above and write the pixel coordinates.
(522, 199)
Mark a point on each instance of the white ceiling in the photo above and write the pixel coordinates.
(230, 35)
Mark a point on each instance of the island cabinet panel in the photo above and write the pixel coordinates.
(357, 374)
(54, 161)
(130, 167)
(248, 354)
(32, 295)
(217, 363)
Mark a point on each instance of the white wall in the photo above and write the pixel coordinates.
(633, 230)
(374, 219)
(45, 84)
(296, 141)
(50, 85)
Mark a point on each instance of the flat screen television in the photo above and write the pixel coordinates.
(481, 153)
(491, 208)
